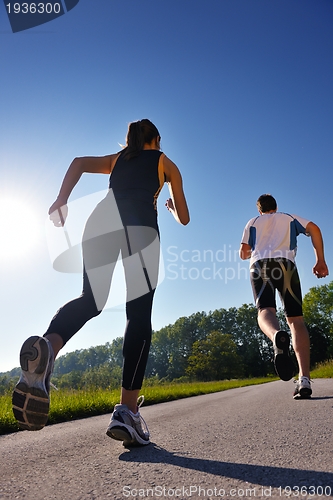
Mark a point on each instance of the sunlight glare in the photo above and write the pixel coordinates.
(18, 228)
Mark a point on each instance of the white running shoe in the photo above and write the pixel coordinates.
(128, 427)
(31, 400)
(303, 388)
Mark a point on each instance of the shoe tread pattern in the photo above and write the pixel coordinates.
(30, 399)
(119, 433)
(30, 353)
(30, 412)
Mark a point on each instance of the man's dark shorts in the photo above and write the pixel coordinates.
(268, 275)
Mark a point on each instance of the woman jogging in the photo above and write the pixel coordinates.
(124, 222)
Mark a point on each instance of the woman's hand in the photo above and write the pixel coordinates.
(170, 206)
(58, 212)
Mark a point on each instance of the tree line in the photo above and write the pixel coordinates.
(221, 344)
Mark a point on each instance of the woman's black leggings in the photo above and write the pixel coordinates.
(103, 240)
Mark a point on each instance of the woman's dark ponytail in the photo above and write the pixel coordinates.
(139, 133)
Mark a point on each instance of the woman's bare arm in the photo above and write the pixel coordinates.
(79, 166)
(176, 204)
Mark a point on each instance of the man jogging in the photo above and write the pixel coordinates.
(269, 241)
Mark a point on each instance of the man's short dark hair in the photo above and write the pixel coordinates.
(266, 203)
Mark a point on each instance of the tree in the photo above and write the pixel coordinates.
(106, 376)
(318, 315)
(214, 358)
(172, 345)
(160, 351)
(85, 359)
(252, 345)
(320, 347)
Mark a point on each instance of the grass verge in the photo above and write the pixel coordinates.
(323, 370)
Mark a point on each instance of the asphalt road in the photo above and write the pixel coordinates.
(253, 442)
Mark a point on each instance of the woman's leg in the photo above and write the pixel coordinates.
(56, 342)
(141, 272)
(72, 316)
(137, 340)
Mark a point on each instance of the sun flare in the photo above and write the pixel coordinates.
(18, 228)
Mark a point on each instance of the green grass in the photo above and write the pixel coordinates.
(7, 422)
(70, 405)
(323, 370)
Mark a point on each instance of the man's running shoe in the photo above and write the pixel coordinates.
(31, 399)
(303, 388)
(128, 427)
(283, 364)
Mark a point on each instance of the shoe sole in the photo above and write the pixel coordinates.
(283, 364)
(304, 393)
(30, 398)
(126, 434)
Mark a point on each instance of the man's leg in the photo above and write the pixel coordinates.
(269, 325)
(268, 322)
(301, 344)
(264, 297)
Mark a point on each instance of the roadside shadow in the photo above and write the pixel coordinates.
(256, 474)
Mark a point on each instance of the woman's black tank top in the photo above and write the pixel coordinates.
(136, 184)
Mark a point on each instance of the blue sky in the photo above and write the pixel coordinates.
(241, 91)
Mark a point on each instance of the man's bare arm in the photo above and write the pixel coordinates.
(245, 251)
(320, 268)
